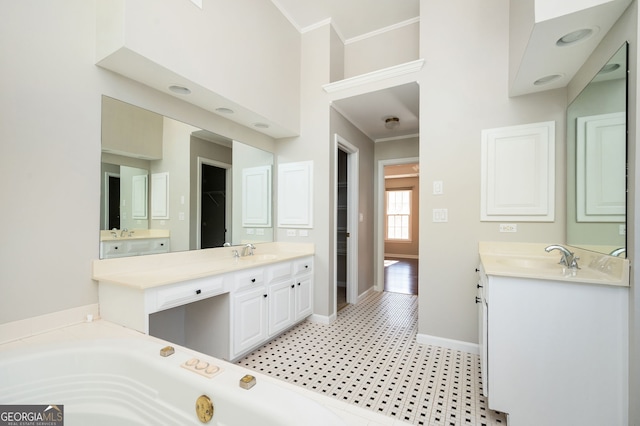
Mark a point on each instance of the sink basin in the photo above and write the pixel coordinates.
(259, 257)
(529, 262)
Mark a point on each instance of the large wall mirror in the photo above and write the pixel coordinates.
(597, 161)
(169, 186)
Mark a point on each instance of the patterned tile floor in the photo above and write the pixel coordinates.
(369, 357)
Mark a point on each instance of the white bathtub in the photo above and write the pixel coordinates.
(126, 382)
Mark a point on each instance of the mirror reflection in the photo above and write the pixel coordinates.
(169, 186)
(597, 162)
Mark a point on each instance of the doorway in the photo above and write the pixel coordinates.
(397, 254)
(113, 201)
(213, 204)
(346, 223)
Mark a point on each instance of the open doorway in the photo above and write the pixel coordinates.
(398, 257)
(213, 203)
(346, 223)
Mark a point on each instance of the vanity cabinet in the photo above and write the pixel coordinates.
(268, 301)
(133, 247)
(553, 352)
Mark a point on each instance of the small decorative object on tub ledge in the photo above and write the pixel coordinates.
(167, 350)
(247, 382)
(204, 408)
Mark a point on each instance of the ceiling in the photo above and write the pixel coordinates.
(353, 19)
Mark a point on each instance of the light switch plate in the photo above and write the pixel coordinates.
(440, 215)
(438, 188)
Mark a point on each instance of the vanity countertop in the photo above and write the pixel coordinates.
(134, 234)
(530, 260)
(144, 272)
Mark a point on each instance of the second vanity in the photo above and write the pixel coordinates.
(553, 340)
(212, 300)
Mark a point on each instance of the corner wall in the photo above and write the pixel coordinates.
(464, 89)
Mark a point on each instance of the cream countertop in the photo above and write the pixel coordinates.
(134, 234)
(143, 272)
(530, 260)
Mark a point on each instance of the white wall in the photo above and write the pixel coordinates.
(382, 50)
(50, 151)
(463, 89)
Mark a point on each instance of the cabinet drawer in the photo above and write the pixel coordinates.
(160, 245)
(249, 279)
(189, 291)
(110, 249)
(279, 272)
(303, 266)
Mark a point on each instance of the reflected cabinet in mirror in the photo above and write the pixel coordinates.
(169, 186)
(597, 161)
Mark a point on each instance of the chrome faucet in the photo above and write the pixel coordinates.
(568, 258)
(618, 251)
(123, 231)
(248, 250)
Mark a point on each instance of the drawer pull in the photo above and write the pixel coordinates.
(253, 280)
(298, 283)
(478, 286)
(198, 291)
(264, 295)
(478, 300)
(293, 286)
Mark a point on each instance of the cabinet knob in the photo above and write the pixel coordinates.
(477, 270)
(198, 291)
(298, 283)
(478, 285)
(306, 266)
(264, 295)
(293, 286)
(253, 280)
(478, 300)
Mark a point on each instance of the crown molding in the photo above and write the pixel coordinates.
(383, 74)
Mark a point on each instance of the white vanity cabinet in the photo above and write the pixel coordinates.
(133, 247)
(554, 352)
(268, 301)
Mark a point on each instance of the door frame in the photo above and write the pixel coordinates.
(228, 203)
(379, 231)
(352, 217)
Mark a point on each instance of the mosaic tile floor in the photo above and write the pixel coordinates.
(369, 357)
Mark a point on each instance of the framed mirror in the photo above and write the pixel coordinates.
(202, 177)
(597, 161)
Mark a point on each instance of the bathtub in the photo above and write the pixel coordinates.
(125, 381)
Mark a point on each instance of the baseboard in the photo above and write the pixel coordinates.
(362, 296)
(457, 345)
(401, 256)
(322, 319)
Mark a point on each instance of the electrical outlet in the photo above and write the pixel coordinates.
(508, 227)
(291, 232)
(622, 230)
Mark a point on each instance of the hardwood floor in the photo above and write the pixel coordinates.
(401, 275)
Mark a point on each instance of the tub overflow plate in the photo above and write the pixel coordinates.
(204, 408)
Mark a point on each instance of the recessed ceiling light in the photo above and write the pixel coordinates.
(547, 79)
(577, 36)
(181, 90)
(609, 68)
(261, 125)
(223, 110)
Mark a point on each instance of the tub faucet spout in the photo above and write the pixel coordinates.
(568, 258)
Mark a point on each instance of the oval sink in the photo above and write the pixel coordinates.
(528, 262)
(259, 257)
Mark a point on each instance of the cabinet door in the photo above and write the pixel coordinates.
(281, 306)
(304, 297)
(249, 320)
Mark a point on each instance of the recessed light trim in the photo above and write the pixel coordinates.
(180, 90)
(223, 110)
(547, 79)
(609, 68)
(576, 36)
